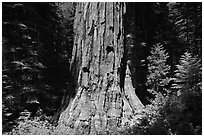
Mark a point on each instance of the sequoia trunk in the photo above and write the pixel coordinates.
(105, 99)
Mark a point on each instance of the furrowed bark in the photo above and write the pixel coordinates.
(105, 98)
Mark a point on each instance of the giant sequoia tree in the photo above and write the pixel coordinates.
(104, 98)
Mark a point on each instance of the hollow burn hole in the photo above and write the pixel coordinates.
(109, 48)
(85, 69)
(111, 28)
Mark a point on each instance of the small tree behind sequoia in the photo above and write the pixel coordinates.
(158, 70)
(188, 85)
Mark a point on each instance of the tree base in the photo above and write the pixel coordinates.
(101, 111)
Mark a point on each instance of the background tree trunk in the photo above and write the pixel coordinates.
(105, 98)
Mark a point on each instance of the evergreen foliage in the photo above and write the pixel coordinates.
(188, 81)
(158, 70)
(188, 72)
(181, 111)
(186, 20)
(37, 44)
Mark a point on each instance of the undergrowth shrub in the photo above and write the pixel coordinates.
(152, 120)
(38, 125)
(33, 126)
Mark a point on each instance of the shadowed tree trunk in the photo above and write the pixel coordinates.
(105, 99)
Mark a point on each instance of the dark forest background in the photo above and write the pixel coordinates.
(166, 54)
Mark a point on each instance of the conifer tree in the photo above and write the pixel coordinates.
(157, 81)
(188, 73)
(188, 80)
(183, 109)
(158, 70)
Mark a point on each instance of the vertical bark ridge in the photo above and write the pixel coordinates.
(98, 61)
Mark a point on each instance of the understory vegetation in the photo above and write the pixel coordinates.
(37, 41)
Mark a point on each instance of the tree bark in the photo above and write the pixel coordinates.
(105, 99)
